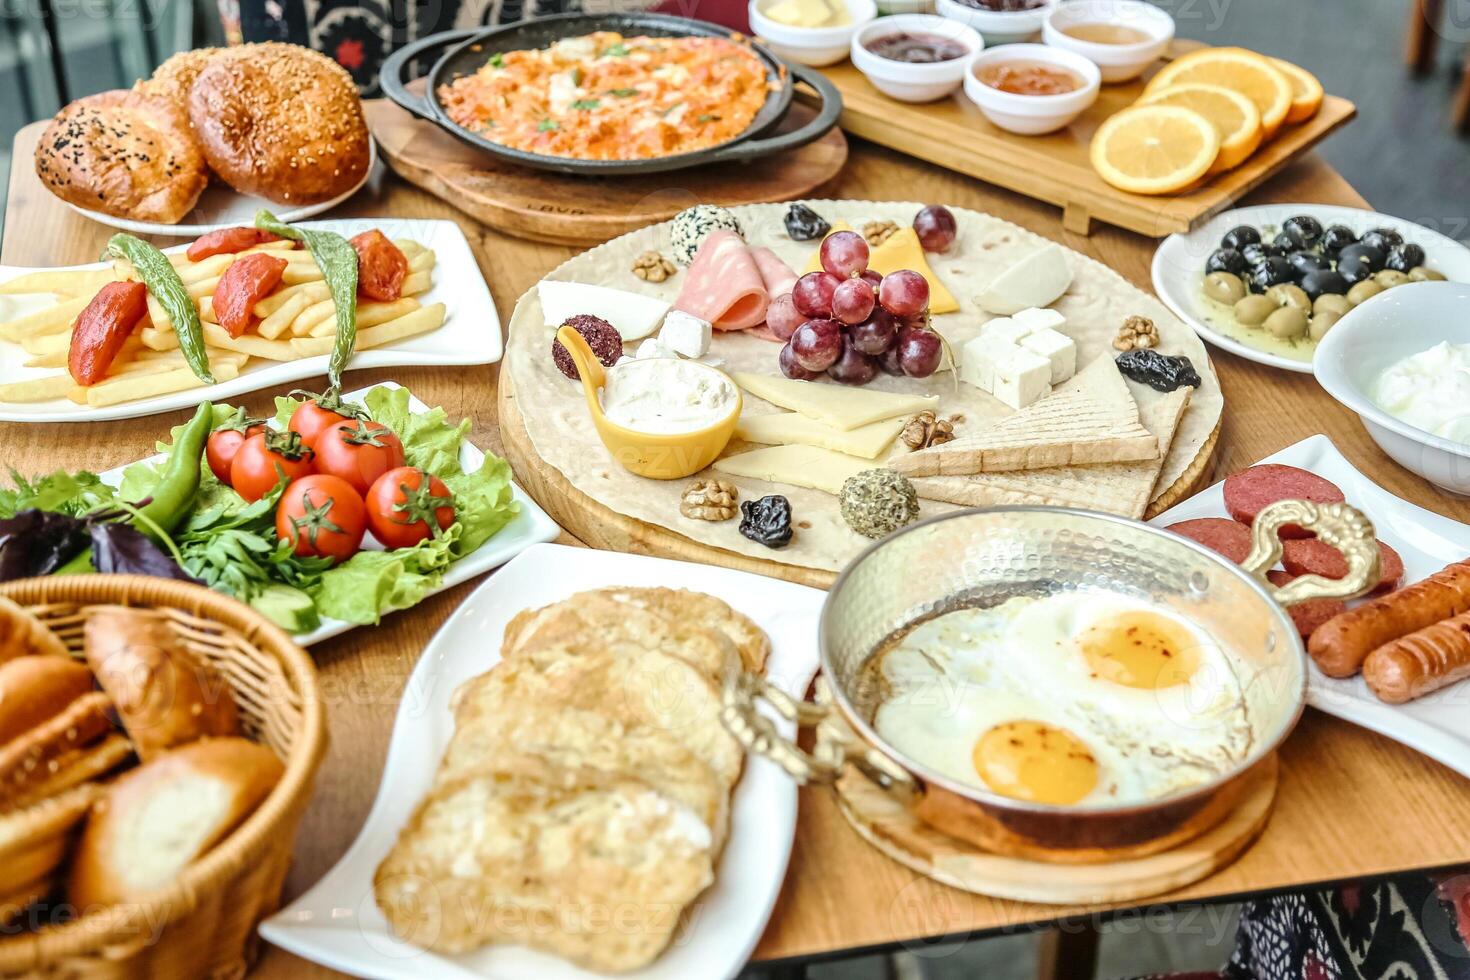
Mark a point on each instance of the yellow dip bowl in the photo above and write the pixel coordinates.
(656, 455)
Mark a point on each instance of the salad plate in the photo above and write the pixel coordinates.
(470, 333)
(337, 921)
(1179, 263)
(1438, 725)
(530, 525)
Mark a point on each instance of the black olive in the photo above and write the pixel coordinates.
(1383, 239)
(1304, 262)
(1361, 253)
(1405, 257)
(1226, 260)
(1337, 238)
(1270, 272)
(1321, 281)
(803, 224)
(1259, 251)
(1239, 238)
(1303, 230)
(1285, 242)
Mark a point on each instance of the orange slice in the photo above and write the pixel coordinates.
(1245, 71)
(1155, 149)
(1306, 91)
(1234, 115)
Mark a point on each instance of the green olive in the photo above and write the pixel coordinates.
(1288, 322)
(1389, 278)
(1322, 322)
(1422, 273)
(1288, 294)
(1224, 287)
(1253, 310)
(1332, 303)
(1363, 291)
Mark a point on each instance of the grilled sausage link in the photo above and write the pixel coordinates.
(1340, 645)
(1423, 661)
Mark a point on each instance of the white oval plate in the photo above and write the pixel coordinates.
(470, 334)
(1179, 262)
(221, 206)
(337, 921)
(1438, 724)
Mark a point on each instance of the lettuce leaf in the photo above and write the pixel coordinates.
(60, 492)
(371, 583)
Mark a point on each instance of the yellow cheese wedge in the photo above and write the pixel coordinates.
(795, 429)
(834, 405)
(800, 466)
(901, 251)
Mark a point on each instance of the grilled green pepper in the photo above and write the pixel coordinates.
(337, 259)
(158, 274)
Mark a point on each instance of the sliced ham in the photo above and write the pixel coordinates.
(724, 284)
(777, 275)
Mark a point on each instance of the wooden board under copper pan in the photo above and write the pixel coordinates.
(569, 210)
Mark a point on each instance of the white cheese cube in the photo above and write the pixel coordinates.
(685, 334)
(652, 347)
(1039, 319)
(1004, 330)
(977, 361)
(1057, 348)
(1021, 377)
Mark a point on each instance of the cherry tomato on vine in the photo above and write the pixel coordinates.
(322, 516)
(319, 413)
(402, 502)
(264, 459)
(226, 441)
(359, 451)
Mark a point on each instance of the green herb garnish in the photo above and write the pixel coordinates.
(547, 126)
(709, 117)
(497, 60)
(623, 93)
(586, 104)
(618, 50)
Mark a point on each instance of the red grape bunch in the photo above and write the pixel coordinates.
(851, 323)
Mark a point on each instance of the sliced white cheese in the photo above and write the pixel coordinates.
(1037, 280)
(1057, 348)
(795, 429)
(1021, 377)
(834, 405)
(634, 315)
(685, 334)
(800, 466)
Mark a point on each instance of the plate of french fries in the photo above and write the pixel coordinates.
(445, 315)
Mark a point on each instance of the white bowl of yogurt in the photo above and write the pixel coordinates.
(1401, 361)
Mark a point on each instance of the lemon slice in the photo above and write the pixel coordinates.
(1244, 71)
(1234, 115)
(1155, 149)
(1306, 91)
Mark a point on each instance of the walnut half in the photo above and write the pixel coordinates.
(1136, 332)
(878, 232)
(926, 429)
(709, 500)
(652, 267)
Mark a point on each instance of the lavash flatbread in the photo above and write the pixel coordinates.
(556, 416)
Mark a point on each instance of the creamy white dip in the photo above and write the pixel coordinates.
(666, 395)
(1429, 390)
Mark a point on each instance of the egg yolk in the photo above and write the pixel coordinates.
(1031, 760)
(1140, 649)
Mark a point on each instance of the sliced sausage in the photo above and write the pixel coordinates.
(381, 266)
(1230, 538)
(1424, 661)
(1341, 646)
(1310, 614)
(1309, 556)
(103, 327)
(248, 280)
(1251, 490)
(228, 240)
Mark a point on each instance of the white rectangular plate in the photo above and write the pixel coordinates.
(470, 334)
(529, 527)
(338, 923)
(1437, 725)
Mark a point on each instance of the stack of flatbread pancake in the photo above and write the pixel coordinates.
(584, 798)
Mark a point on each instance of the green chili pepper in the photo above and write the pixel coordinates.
(173, 498)
(337, 259)
(158, 274)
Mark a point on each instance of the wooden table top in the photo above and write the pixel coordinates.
(1350, 803)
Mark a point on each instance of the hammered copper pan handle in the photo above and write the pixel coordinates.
(835, 746)
(1339, 525)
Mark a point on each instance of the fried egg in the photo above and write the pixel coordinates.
(1074, 698)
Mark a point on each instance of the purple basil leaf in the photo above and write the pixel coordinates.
(121, 549)
(36, 542)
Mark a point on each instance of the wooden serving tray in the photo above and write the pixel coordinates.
(953, 133)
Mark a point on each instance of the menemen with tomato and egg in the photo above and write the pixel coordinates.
(603, 96)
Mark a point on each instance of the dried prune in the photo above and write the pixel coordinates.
(767, 521)
(1159, 371)
(803, 224)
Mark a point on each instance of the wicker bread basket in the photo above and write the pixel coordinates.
(203, 924)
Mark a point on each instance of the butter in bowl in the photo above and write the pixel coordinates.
(809, 32)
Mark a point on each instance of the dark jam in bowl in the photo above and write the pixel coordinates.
(1005, 6)
(916, 48)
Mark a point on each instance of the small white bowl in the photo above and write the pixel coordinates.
(909, 82)
(998, 26)
(816, 46)
(1378, 334)
(1118, 62)
(1032, 115)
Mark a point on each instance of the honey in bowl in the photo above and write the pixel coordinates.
(1030, 78)
(1099, 32)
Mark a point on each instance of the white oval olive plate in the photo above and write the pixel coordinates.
(337, 921)
(221, 206)
(1438, 725)
(1179, 270)
(531, 525)
(469, 335)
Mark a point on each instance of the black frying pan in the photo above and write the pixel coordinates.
(468, 50)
